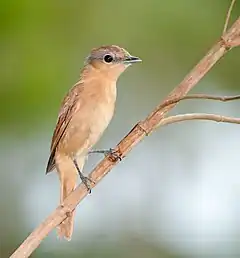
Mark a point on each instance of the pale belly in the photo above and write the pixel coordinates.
(86, 127)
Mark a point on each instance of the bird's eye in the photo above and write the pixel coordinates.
(108, 58)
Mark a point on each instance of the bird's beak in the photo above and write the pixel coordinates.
(131, 60)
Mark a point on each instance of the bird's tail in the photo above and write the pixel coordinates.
(68, 178)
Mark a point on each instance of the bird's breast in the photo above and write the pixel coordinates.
(101, 112)
(96, 108)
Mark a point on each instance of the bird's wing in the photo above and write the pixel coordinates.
(67, 110)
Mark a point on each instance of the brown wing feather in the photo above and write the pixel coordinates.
(64, 117)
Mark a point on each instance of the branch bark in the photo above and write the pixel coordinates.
(132, 139)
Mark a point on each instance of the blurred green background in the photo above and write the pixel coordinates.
(177, 193)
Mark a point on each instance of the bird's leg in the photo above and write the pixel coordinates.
(86, 180)
(111, 152)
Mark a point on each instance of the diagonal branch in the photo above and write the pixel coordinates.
(193, 77)
(132, 139)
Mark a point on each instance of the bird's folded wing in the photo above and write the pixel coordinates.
(65, 115)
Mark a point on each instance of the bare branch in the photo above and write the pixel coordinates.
(204, 97)
(228, 16)
(198, 116)
(131, 140)
(235, 41)
(212, 97)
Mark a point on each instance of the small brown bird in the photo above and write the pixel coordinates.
(85, 113)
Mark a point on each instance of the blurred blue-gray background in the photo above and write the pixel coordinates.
(177, 194)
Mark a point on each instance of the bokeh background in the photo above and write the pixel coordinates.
(177, 194)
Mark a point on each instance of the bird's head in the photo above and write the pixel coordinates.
(111, 60)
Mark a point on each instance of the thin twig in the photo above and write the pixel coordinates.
(212, 97)
(204, 97)
(199, 116)
(125, 146)
(228, 17)
(234, 42)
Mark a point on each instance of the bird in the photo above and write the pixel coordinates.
(85, 113)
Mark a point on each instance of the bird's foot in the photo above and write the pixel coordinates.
(111, 153)
(87, 182)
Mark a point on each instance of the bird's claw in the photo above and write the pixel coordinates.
(111, 153)
(87, 182)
